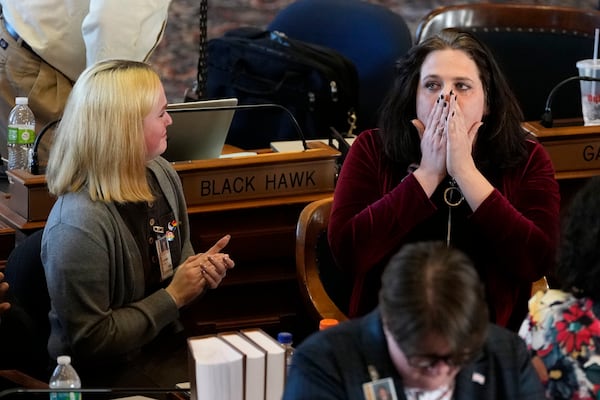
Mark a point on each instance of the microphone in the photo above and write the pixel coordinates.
(34, 166)
(256, 107)
(547, 116)
(27, 392)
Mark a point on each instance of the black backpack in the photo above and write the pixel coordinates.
(318, 85)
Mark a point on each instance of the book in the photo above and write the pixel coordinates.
(254, 366)
(275, 362)
(216, 369)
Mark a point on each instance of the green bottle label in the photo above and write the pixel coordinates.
(65, 396)
(26, 135)
(13, 133)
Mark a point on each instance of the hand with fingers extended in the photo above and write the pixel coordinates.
(200, 271)
(4, 305)
(433, 144)
(461, 136)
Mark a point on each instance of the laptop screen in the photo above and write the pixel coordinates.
(198, 132)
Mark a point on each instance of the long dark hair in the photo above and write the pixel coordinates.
(500, 141)
(578, 266)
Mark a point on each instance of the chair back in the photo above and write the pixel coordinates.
(539, 285)
(25, 328)
(536, 46)
(372, 36)
(325, 289)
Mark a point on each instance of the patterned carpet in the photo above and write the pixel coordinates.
(176, 57)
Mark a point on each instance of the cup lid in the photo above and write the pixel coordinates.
(589, 63)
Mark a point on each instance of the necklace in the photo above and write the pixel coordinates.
(453, 197)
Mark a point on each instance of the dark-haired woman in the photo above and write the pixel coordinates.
(450, 161)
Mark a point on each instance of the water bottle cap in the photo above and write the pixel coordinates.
(63, 360)
(285, 337)
(21, 100)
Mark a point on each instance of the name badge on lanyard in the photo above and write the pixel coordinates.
(164, 257)
(379, 389)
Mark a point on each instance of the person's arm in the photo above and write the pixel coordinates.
(523, 220)
(113, 29)
(530, 385)
(367, 222)
(98, 295)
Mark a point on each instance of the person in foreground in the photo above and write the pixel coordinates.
(46, 44)
(429, 338)
(116, 248)
(562, 329)
(450, 161)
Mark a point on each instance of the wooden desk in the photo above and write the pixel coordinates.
(574, 150)
(257, 200)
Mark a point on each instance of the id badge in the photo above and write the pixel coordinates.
(381, 389)
(164, 257)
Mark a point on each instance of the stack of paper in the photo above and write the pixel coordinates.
(246, 365)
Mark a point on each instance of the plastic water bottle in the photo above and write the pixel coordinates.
(65, 377)
(21, 134)
(286, 339)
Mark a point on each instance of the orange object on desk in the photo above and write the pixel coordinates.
(327, 323)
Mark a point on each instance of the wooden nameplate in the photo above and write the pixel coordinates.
(573, 147)
(206, 183)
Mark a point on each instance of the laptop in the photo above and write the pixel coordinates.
(197, 132)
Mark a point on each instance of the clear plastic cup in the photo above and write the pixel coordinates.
(590, 91)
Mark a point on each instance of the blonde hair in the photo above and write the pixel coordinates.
(99, 143)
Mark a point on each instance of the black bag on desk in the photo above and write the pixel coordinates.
(317, 84)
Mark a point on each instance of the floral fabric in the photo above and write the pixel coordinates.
(564, 332)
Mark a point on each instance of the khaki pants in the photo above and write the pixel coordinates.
(24, 73)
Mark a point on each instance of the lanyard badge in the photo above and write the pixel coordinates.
(379, 389)
(163, 250)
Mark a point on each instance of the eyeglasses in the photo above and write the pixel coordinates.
(429, 361)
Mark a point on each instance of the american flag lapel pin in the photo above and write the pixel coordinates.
(478, 378)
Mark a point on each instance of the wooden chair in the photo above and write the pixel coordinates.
(314, 266)
(540, 284)
(12, 378)
(536, 46)
(25, 327)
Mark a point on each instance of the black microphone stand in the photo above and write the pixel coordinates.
(34, 166)
(255, 107)
(547, 116)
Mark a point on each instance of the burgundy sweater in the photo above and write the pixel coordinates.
(512, 237)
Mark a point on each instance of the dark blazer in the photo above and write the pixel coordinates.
(332, 364)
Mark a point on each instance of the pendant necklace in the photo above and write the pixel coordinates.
(453, 198)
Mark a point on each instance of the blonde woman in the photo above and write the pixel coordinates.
(116, 247)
